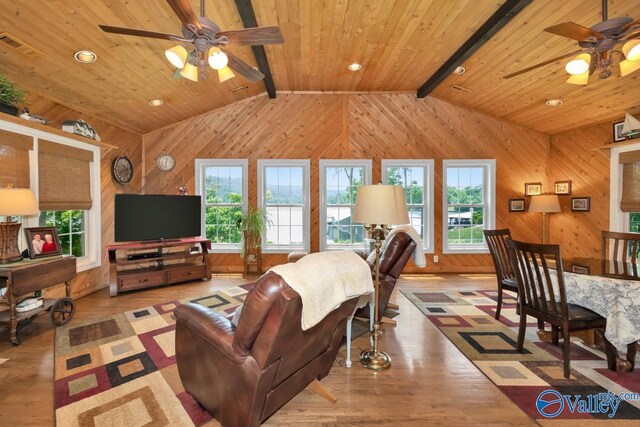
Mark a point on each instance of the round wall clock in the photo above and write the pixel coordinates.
(165, 162)
(122, 170)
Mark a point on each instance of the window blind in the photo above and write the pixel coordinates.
(14, 159)
(64, 182)
(630, 181)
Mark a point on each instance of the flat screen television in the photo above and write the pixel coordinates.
(156, 217)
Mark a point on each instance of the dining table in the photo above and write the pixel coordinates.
(612, 290)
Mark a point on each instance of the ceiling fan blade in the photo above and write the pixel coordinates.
(533, 67)
(141, 33)
(244, 69)
(253, 36)
(574, 31)
(185, 12)
(631, 24)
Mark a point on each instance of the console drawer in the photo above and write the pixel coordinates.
(187, 273)
(135, 281)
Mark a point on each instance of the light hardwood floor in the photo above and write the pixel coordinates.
(430, 382)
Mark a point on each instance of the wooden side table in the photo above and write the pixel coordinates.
(27, 276)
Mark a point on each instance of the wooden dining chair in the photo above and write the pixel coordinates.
(624, 249)
(504, 274)
(540, 299)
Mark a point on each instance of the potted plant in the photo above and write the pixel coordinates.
(10, 96)
(252, 223)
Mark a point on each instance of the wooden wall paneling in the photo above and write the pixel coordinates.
(129, 144)
(369, 126)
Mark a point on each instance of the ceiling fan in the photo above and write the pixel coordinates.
(203, 44)
(598, 48)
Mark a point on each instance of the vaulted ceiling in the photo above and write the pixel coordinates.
(400, 44)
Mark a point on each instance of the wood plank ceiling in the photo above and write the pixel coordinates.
(400, 43)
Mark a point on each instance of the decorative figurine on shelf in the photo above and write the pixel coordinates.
(33, 117)
(183, 188)
(80, 127)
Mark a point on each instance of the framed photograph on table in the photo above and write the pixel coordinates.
(580, 269)
(516, 205)
(532, 188)
(42, 242)
(562, 188)
(581, 204)
(617, 132)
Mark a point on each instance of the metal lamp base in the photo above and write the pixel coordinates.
(378, 361)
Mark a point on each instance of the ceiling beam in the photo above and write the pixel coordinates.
(499, 19)
(248, 16)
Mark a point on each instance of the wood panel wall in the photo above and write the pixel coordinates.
(129, 144)
(360, 126)
(574, 156)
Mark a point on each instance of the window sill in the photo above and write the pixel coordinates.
(85, 263)
(465, 251)
(283, 249)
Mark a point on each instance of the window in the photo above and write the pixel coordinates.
(416, 177)
(222, 183)
(624, 158)
(469, 204)
(339, 182)
(70, 227)
(283, 190)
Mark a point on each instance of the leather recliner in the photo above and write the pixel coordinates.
(392, 261)
(243, 375)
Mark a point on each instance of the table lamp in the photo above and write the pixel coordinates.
(545, 204)
(14, 202)
(377, 205)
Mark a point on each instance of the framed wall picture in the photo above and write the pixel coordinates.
(580, 269)
(617, 132)
(532, 188)
(42, 242)
(581, 204)
(562, 187)
(516, 205)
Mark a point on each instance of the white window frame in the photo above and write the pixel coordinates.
(618, 220)
(489, 216)
(332, 163)
(427, 195)
(93, 226)
(200, 164)
(306, 202)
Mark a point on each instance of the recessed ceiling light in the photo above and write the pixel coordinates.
(554, 102)
(156, 102)
(355, 67)
(85, 56)
(459, 70)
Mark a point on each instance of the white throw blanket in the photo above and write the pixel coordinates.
(325, 280)
(418, 255)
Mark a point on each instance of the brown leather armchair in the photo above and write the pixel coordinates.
(392, 261)
(243, 375)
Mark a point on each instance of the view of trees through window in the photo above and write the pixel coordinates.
(634, 222)
(465, 200)
(341, 189)
(71, 229)
(223, 204)
(412, 180)
(284, 202)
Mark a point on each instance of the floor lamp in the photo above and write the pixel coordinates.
(377, 205)
(544, 204)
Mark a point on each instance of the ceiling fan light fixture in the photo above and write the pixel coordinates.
(631, 50)
(579, 79)
(177, 56)
(85, 56)
(189, 72)
(218, 60)
(579, 65)
(225, 74)
(628, 67)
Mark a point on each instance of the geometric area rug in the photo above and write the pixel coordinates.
(534, 379)
(121, 370)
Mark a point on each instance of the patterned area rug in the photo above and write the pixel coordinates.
(467, 319)
(122, 370)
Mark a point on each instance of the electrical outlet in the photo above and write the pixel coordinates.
(435, 258)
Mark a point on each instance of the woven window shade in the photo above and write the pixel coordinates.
(64, 177)
(630, 181)
(14, 159)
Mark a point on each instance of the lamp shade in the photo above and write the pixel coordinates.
(380, 204)
(631, 50)
(190, 72)
(545, 204)
(18, 202)
(225, 74)
(579, 64)
(177, 55)
(217, 59)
